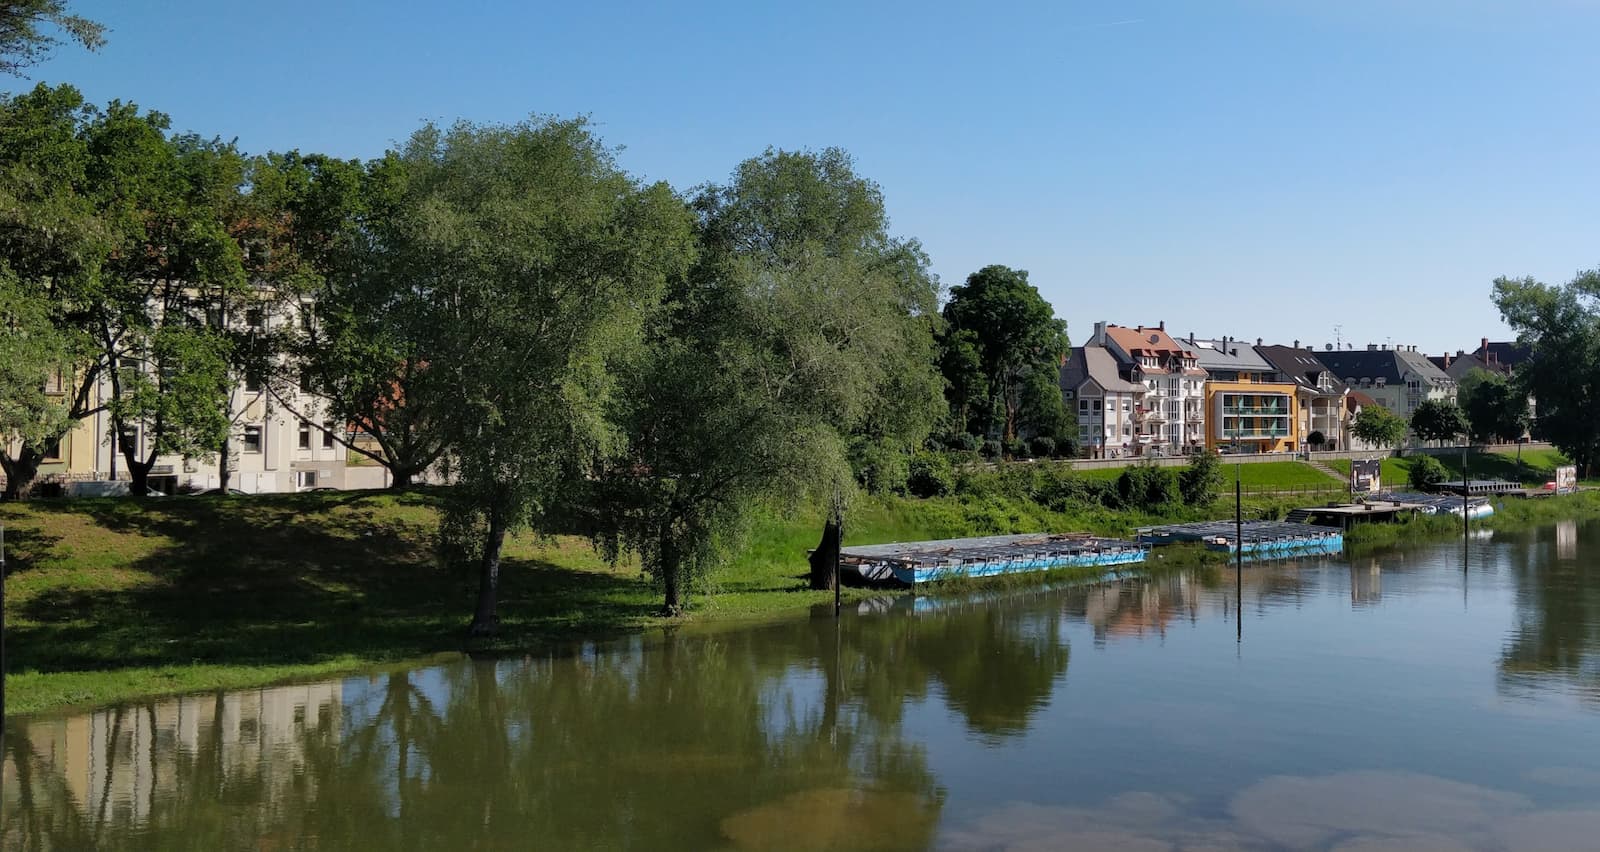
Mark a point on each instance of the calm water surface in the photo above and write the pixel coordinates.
(1413, 699)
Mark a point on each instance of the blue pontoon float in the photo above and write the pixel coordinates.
(917, 562)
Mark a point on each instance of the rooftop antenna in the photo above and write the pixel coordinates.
(1338, 337)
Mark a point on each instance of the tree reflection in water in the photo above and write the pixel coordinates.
(753, 739)
(1556, 640)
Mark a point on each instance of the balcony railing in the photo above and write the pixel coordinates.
(1255, 434)
(1272, 411)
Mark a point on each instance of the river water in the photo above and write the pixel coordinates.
(1420, 698)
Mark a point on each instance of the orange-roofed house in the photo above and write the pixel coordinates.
(1171, 417)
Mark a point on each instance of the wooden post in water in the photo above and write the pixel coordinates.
(2, 632)
(1238, 549)
(1466, 488)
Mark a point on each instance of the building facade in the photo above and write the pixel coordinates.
(1397, 378)
(1247, 410)
(1105, 402)
(1321, 395)
(1171, 419)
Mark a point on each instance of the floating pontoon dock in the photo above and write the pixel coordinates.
(1262, 539)
(1486, 487)
(915, 562)
(1477, 507)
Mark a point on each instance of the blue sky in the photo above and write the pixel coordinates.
(1255, 168)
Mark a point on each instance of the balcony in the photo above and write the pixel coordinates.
(1254, 434)
(1256, 410)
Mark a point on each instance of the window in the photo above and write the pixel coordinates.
(307, 320)
(1066, 394)
(51, 452)
(1097, 406)
(128, 436)
(305, 479)
(327, 434)
(255, 318)
(55, 382)
(252, 380)
(252, 439)
(305, 380)
(1083, 406)
(305, 435)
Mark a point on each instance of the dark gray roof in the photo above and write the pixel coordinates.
(1094, 362)
(1301, 366)
(1391, 365)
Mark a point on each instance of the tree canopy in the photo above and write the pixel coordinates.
(1379, 427)
(802, 327)
(1438, 420)
(1495, 409)
(1002, 353)
(28, 32)
(1560, 325)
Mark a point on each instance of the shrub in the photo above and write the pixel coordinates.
(1016, 449)
(880, 466)
(1199, 481)
(991, 449)
(1147, 487)
(1043, 446)
(964, 441)
(931, 475)
(1316, 439)
(1426, 473)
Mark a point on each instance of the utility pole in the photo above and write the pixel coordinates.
(1466, 487)
(2, 632)
(1238, 541)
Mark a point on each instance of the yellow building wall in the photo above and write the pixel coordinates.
(1214, 436)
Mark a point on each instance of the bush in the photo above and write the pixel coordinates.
(1198, 483)
(1316, 439)
(991, 449)
(1043, 446)
(1146, 487)
(964, 441)
(1016, 449)
(1426, 473)
(880, 466)
(931, 475)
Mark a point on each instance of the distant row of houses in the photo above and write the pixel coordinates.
(1142, 391)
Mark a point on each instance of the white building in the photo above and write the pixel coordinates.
(1172, 417)
(1106, 403)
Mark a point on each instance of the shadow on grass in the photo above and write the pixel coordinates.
(285, 579)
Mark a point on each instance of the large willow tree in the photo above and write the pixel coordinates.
(803, 325)
(539, 257)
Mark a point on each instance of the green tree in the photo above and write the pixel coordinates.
(1426, 473)
(1495, 410)
(1378, 427)
(25, 32)
(803, 328)
(1018, 343)
(1560, 324)
(50, 247)
(158, 305)
(1438, 420)
(541, 258)
(365, 358)
(1199, 481)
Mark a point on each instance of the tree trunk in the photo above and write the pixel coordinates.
(669, 573)
(224, 467)
(20, 472)
(484, 621)
(400, 478)
(825, 559)
(139, 477)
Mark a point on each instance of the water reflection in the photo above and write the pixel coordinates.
(1555, 641)
(1343, 812)
(923, 722)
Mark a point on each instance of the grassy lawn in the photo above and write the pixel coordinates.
(1257, 476)
(111, 599)
(1536, 468)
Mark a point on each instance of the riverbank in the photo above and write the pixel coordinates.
(110, 599)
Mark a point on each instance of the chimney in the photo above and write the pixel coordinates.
(1297, 344)
(1372, 347)
(1258, 341)
(1163, 326)
(1099, 338)
(1483, 346)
